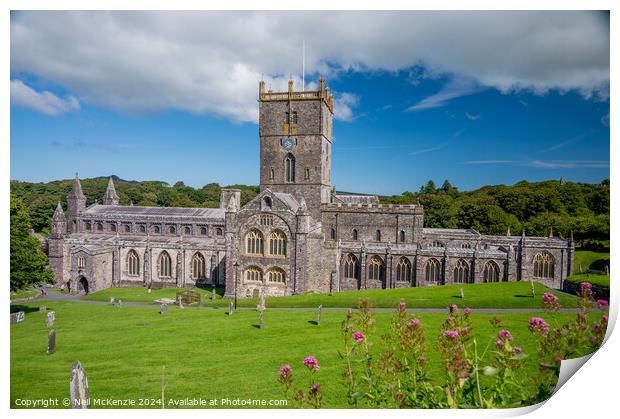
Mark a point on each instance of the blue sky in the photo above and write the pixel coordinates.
(403, 117)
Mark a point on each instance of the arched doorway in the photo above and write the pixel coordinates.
(82, 285)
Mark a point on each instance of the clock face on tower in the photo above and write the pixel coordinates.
(288, 143)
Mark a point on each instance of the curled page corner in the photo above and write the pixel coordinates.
(568, 368)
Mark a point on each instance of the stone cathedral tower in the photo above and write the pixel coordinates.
(295, 130)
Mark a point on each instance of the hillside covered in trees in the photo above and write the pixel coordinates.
(535, 207)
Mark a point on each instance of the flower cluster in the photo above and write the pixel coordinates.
(358, 337)
(585, 290)
(550, 301)
(311, 363)
(451, 334)
(602, 304)
(538, 325)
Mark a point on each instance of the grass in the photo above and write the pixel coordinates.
(493, 295)
(601, 280)
(206, 354)
(584, 258)
(23, 294)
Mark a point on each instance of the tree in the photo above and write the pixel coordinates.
(429, 187)
(29, 265)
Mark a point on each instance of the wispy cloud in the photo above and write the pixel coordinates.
(454, 88)
(546, 164)
(343, 108)
(439, 146)
(571, 140)
(472, 117)
(605, 119)
(44, 102)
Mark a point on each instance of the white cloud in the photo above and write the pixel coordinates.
(211, 62)
(455, 88)
(44, 102)
(472, 116)
(343, 106)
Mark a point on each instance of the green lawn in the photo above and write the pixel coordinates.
(583, 259)
(23, 294)
(601, 280)
(140, 294)
(494, 295)
(206, 353)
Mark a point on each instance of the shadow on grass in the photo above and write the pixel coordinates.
(523, 296)
(26, 309)
(314, 322)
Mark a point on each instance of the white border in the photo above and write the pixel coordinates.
(592, 391)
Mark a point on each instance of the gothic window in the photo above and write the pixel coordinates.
(133, 263)
(354, 234)
(203, 231)
(433, 271)
(376, 269)
(490, 272)
(127, 228)
(198, 266)
(289, 168)
(142, 229)
(165, 265)
(544, 265)
(307, 174)
(276, 275)
(287, 118)
(218, 231)
(401, 235)
(113, 227)
(461, 272)
(332, 233)
(351, 267)
(254, 242)
(253, 273)
(88, 226)
(378, 235)
(99, 227)
(81, 262)
(403, 270)
(187, 230)
(277, 243)
(156, 230)
(172, 230)
(266, 220)
(437, 243)
(294, 118)
(466, 246)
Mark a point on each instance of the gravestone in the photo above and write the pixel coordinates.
(111, 301)
(261, 301)
(51, 342)
(180, 303)
(606, 269)
(50, 318)
(230, 308)
(533, 289)
(261, 319)
(318, 315)
(42, 309)
(163, 309)
(18, 317)
(462, 294)
(78, 387)
(149, 291)
(213, 293)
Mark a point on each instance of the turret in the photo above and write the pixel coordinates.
(59, 223)
(110, 197)
(76, 205)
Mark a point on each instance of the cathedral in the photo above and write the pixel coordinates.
(297, 235)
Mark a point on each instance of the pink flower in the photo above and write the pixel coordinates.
(602, 304)
(315, 389)
(517, 350)
(585, 286)
(467, 311)
(402, 306)
(450, 320)
(415, 322)
(358, 336)
(538, 325)
(550, 301)
(285, 370)
(451, 334)
(500, 344)
(504, 335)
(604, 319)
(465, 331)
(453, 308)
(311, 363)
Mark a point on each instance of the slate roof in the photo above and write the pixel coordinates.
(121, 210)
(288, 199)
